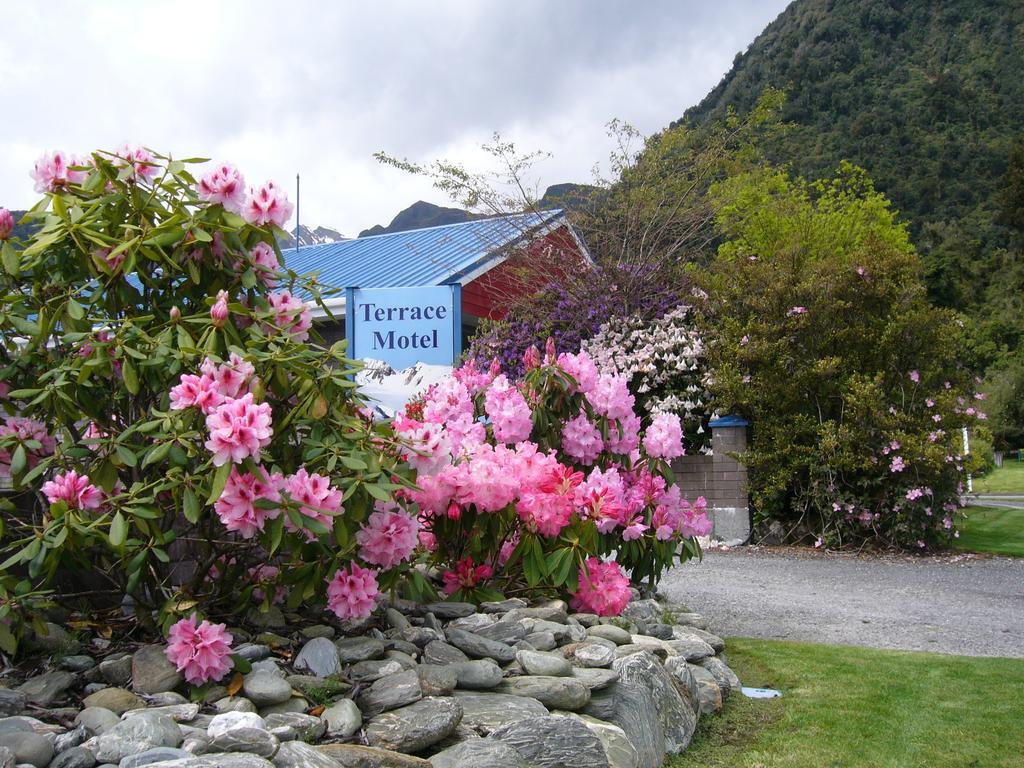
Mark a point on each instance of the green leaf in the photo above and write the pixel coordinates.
(19, 460)
(378, 493)
(241, 664)
(220, 479)
(130, 376)
(75, 310)
(158, 453)
(11, 261)
(353, 463)
(8, 642)
(190, 506)
(118, 530)
(127, 455)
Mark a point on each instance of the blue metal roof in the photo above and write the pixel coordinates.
(440, 255)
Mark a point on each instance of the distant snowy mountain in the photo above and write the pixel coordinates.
(307, 236)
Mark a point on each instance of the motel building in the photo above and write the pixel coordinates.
(418, 295)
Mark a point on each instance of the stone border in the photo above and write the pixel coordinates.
(442, 685)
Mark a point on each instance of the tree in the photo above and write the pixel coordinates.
(819, 331)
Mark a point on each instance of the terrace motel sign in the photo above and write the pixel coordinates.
(405, 326)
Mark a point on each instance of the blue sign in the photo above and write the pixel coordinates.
(404, 326)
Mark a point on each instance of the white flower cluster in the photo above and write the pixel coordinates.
(663, 360)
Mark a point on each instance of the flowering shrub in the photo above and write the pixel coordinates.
(525, 483)
(164, 420)
(663, 361)
(573, 310)
(819, 331)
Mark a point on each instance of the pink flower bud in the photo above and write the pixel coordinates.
(531, 358)
(6, 224)
(175, 314)
(549, 351)
(495, 368)
(219, 310)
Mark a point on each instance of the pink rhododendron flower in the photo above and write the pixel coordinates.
(267, 205)
(465, 576)
(104, 259)
(545, 513)
(231, 379)
(387, 538)
(633, 528)
(610, 397)
(602, 499)
(488, 479)
(624, 439)
(290, 316)
(581, 439)
(446, 401)
(915, 376)
(465, 434)
(53, 171)
(202, 653)
(796, 311)
(219, 311)
(6, 224)
(237, 506)
(316, 499)
(509, 414)
(471, 378)
(352, 593)
(664, 438)
(428, 446)
(581, 368)
(73, 489)
(603, 588)
(223, 185)
(142, 161)
(238, 429)
(266, 576)
(507, 548)
(196, 391)
(897, 464)
(265, 261)
(434, 492)
(695, 520)
(22, 429)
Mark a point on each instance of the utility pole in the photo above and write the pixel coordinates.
(296, 212)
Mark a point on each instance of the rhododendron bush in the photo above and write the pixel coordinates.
(528, 483)
(819, 331)
(663, 360)
(170, 429)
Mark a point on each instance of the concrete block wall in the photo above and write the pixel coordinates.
(720, 479)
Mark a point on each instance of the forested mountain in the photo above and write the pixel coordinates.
(927, 96)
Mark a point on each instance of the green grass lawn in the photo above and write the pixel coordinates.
(992, 529)
(845, 707)
(1008, 478)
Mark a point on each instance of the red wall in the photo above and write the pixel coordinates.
(487, 296)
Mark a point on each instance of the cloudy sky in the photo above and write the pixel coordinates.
(317, 87)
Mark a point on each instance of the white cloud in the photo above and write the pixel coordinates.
(318, 87)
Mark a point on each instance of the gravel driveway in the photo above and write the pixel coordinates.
(964, 604)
